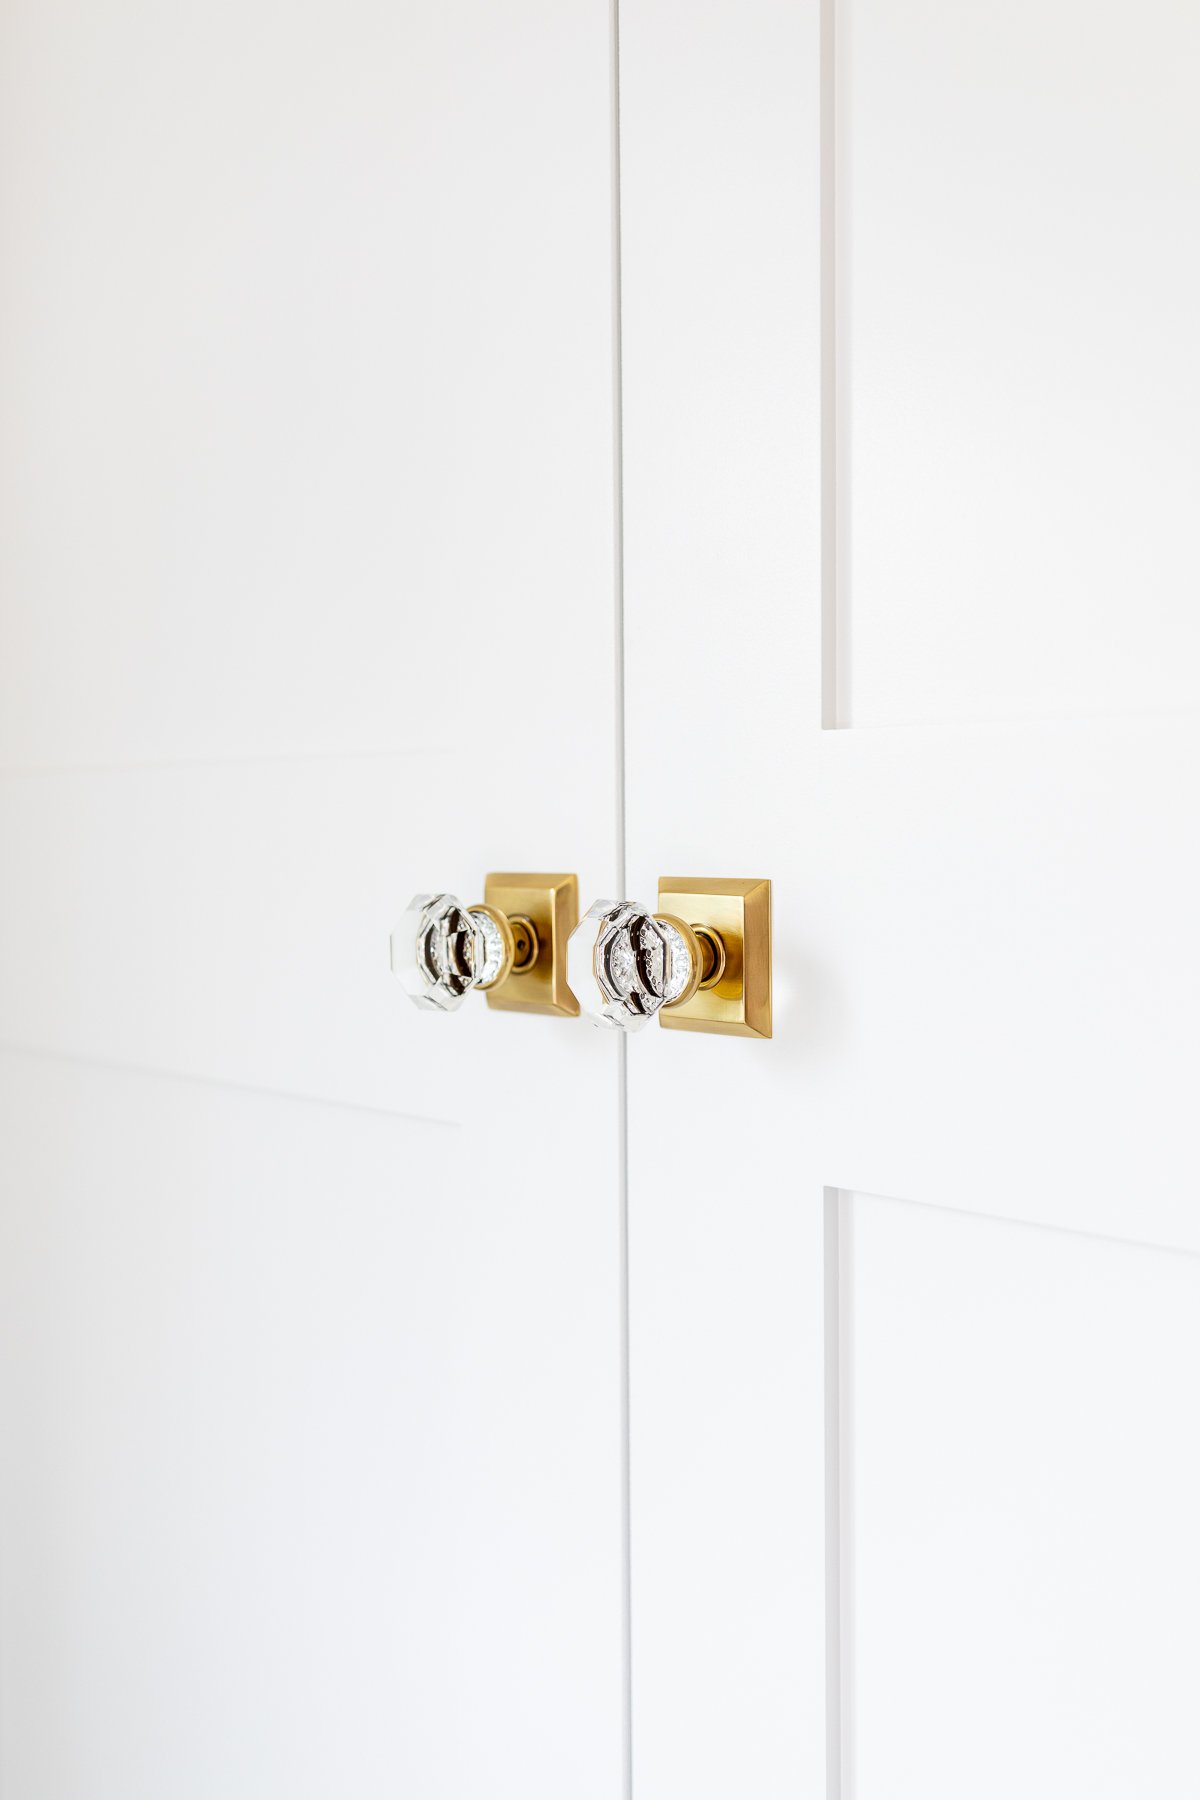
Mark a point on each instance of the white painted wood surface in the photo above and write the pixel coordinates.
(1018, 279)
(307, 1477)
(310, 1405)
(310, 1346)
(1024, 1488)
(986, 970)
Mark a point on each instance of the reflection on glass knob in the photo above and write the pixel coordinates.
(624, 962)
(442, 949)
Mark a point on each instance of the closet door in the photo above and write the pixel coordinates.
(308, 1302)
(911, 386)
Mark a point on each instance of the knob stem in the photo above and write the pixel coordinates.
(525, 943)
(712, 955)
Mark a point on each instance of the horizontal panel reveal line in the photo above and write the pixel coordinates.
(113, 1066)
(149, 765)
(1027, 1222)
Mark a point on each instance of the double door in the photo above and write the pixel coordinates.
(743, 440)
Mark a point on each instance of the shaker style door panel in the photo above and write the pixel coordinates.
(1021, 1474)
(906, 443)
(286, 1498)
(1014, 287)
(308, 1391)
(306, 374)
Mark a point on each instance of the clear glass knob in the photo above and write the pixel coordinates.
(624, 963)
(442, 949)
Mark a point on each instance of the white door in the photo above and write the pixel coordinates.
(912, 625)
(318, 1475)
(309, 1304)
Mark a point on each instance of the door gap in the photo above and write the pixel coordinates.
(618, 472)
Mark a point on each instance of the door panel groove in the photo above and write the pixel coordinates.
(252, 759)
(839, 1540)
(145, 1072)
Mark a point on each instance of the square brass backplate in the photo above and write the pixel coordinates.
(551, 903)
(740, 912)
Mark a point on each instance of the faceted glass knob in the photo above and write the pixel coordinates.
(442, 949)
(625, 962)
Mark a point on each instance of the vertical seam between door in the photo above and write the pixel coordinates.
(618, 405)
(622, 1059)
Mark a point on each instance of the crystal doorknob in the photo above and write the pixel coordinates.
(511, 946)
(625, 963)
(442, 949)
(701, 963)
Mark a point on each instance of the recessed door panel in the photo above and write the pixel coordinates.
(1013, 286)
(306, 377)
(1021, 1570)
(306, 1482)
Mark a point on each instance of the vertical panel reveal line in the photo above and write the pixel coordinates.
(839, 1495)
(835, 664)
(623, 1378)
